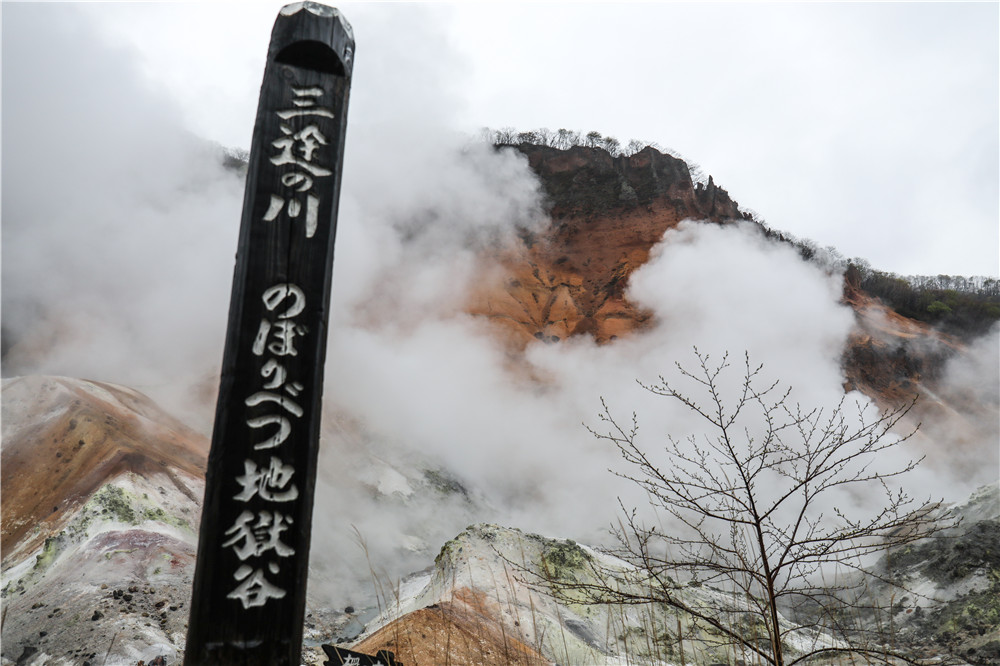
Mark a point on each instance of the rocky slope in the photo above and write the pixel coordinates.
(102, 494)
(500, 596)
(106, 578)
(950, 589)
(101, 500)
(941, 597)
(607, 213)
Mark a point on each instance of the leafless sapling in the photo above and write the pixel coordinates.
(754, 509)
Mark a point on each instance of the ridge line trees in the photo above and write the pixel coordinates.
(749, 506)
(564, 139)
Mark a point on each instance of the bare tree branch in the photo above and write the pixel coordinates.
(755, 509)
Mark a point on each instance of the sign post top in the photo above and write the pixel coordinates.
(313, 36)
(314, 7)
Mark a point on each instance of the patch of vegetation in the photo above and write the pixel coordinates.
(974, 615)
(444, 483)
(964, 307)
(449, 551)
(156, 513)
(563, 561)
(50, 550)
(115, 504)
(236, 160)
(950, 559)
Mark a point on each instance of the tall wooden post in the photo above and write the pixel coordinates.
(248, 601)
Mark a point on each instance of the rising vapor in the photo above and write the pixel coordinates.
(119, 230)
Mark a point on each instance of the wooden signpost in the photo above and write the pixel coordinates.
(339, 656)
(248, 601)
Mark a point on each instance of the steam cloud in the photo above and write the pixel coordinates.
(119, 227)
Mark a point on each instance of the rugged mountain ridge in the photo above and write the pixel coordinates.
(607, 212)
(606, 215)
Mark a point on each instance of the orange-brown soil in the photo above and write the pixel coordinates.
(888, 356)
(466, 630)
(607, 214)
(79, 436)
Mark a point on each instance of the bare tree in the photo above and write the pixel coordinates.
(546, 137)
(634, 146)
(753, 511)
(611, 145)
(530, 137)
(566, 138)
(505, 136)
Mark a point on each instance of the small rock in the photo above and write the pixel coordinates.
(96, 616)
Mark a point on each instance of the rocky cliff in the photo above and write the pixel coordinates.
(607, 213)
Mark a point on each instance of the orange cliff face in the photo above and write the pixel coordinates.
(607, 213)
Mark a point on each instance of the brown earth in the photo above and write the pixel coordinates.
(466, 630)
(64, 438)
(888, 356)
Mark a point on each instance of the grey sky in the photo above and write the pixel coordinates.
(868, 126)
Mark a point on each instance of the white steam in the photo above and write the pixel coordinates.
(119, 231)
(118, 225)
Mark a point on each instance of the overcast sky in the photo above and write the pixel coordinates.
(870, 127)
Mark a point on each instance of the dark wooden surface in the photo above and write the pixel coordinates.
(248, 599)
(339, 656)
